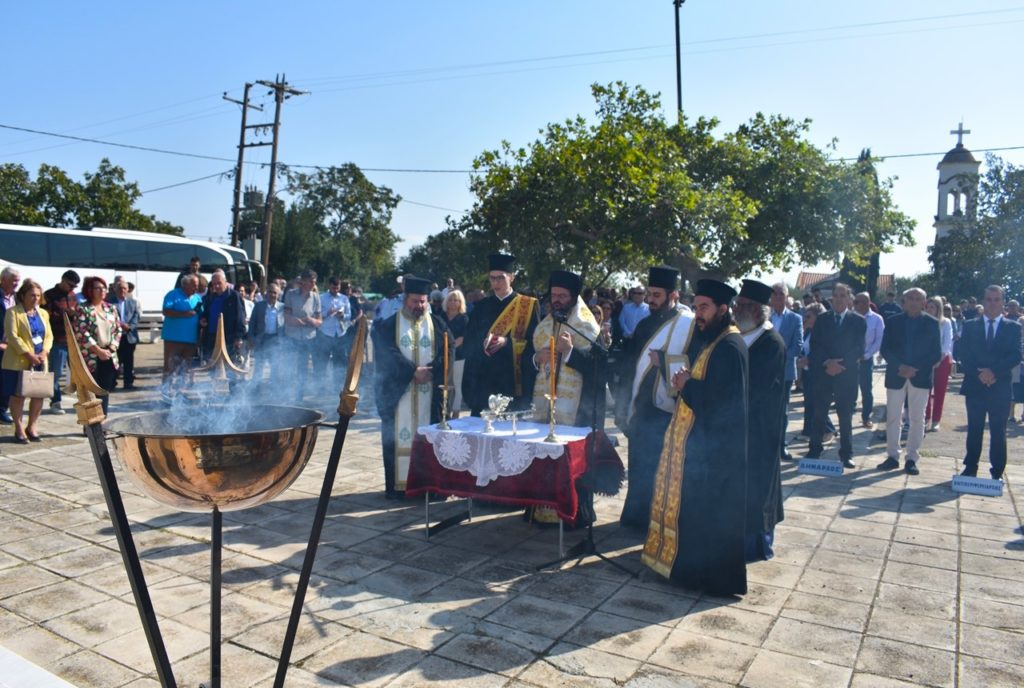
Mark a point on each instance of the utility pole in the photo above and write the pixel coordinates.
(679, 66)
(236, 208)
(282, 91)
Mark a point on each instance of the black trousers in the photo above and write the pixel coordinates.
(867, 395)
(842, 389)
(997, 408)
(106, 377)
(126, 356)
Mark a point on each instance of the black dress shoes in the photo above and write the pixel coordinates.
(911, 468)
(970, 472)
(847, 463)
(890, 464)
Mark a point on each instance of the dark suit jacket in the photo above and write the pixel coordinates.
(1000, 357)
(846, 342)
(925, 350)
(234, 318)
(258, 322)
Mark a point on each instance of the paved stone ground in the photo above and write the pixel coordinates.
(880, 580)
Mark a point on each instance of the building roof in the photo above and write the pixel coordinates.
(806, 281)
(958, 154)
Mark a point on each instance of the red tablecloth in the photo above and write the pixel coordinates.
(546, 482)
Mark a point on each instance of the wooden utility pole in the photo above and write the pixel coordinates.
(282, 91)
(236, 208)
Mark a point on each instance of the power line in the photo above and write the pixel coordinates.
(189, 181)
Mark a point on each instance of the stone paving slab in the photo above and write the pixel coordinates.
(880, 579)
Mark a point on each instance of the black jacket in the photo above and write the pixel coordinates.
(830, 340)
(924, 351)
(1000, 357)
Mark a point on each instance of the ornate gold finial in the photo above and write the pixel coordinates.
(88, 408)
(350, 392)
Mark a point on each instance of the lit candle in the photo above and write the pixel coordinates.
(445, 359)
(552, 359)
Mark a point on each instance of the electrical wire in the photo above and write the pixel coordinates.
(189, 181)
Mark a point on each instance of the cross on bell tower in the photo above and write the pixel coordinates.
(958, 186)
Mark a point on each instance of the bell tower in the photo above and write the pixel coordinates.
(958, 186)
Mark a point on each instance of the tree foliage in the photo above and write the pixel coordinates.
(628, 190)
(990, 249)
(338, 223)
(105, 198)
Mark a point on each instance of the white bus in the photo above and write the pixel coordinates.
(148, 260)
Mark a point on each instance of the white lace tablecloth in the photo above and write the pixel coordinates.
(465, 447)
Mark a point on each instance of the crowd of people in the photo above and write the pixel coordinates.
(700, 384)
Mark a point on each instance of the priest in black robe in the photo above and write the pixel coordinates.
(658, 342)
(766, 399)
(498, 343)
(409, 368)
(698, 512)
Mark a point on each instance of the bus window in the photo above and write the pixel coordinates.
(119, 254)
(23, 248)
(210, 259)
(70, 251)
(169, 257)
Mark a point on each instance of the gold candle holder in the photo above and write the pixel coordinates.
(551, 418)
(443, 425)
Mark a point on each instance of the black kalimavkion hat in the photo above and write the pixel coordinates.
(501, 261)
(719, 292)
(756, 291)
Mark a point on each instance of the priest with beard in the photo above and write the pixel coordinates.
(498, 342)
(579, 365)
(766, 400)
(409, 369)
(698, 510)
(656, 350)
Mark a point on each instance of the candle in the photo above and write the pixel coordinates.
(552, 364)
(445, 359)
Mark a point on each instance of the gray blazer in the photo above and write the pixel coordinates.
(132, 311)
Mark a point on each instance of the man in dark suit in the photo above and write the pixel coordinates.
(990, 347)
(837, 345)
(911, 347)
(789, 326)
(128, 313)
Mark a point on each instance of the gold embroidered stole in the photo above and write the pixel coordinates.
(568, 382)
(662, 545)
(513, 322)
(416, 342)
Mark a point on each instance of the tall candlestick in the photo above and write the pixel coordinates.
(445, 359)
(552, 364)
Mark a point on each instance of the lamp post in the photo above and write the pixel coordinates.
(679, 65)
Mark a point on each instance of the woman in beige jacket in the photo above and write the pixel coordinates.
(29, 340)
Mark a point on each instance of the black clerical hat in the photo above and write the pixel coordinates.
(566, 280)
(719, 292)
(663, 277)
(756, 291)
(501, 261)
(415, 285)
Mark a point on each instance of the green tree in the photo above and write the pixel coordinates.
(338, 223)
(104, 199)
(990, 249)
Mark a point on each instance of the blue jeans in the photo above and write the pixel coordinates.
(58, 361)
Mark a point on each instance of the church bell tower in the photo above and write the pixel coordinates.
(958, 186)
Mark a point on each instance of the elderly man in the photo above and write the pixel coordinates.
(990, 350)
(302, 319)
(874, 327)
(658, 347)
(409, 351)
(181, 309)
(790, 326)
(498, 343)
(222, 300)
(266, 329)
(912, 347)
(698, 513)
(837, 347)
(9, 278)
(766, 402)
(128, 311)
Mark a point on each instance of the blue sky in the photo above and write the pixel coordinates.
(429, 85)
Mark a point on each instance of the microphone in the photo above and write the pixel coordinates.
(559, 316)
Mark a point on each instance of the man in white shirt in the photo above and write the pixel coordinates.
(336, 311)
(633, 311)
(872, 343)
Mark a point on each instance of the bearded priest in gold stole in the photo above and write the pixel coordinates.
(578, 364)
(409, 367)
(698, 511)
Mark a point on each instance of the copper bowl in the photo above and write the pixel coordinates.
(178, 464)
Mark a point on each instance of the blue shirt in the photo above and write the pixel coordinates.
(184, 330)
(631, 315)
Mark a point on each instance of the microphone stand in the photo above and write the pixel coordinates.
(586, 546)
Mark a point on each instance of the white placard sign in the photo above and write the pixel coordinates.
(820, 467)
(986, 487)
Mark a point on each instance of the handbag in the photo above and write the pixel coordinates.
(35, 384)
